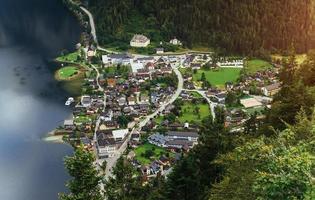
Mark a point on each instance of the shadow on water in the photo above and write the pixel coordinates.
(32, 33)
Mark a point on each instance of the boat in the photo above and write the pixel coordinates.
(69, 101)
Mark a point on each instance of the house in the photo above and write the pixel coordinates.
(220, 97)
(166, 70)
(196, 66)
(139, 40)
(136, 66)
(120, 134)
(69, 125)
(86, 101)
(159, 50)
(111, 82)
(182, 135)
(150, 66)
(131, 101)
(175, 41)
(122, 101)
(144, 99)
(108, 141)
(271, 90)
(91, 53)
(106, 146)
(107, 116)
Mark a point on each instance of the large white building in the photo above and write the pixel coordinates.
(107, 142)
(139, 41)
(115, 59)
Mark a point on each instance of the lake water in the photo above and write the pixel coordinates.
(32, 32)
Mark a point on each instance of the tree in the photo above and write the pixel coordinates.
(123, 185)
(270, 168)
(85, 182)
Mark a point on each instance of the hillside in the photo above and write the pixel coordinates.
(233, 26)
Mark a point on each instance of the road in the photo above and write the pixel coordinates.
(112, 161)
(100, 88)
(211, 104)
(93, 30)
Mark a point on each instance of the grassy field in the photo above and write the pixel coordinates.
(189, 114)
(67, 72)
(254, 65)
(139, 151)
(71, 57)
(82, 119)
(219, 77)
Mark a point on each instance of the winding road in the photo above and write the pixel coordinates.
(112, 161)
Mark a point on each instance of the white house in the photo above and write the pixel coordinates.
(120, 134)
(86, 101)
(271, 90)
(139, 41)
(159, 50)
(175, 41)
(107, 142)
(135, 66)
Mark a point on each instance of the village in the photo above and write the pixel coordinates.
(149, 108)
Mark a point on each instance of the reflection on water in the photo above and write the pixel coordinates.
(32, 32)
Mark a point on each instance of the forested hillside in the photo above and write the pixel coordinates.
(239, 26)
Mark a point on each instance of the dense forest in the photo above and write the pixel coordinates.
(274, 162)
(232, 26)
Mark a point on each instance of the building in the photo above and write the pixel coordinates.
(131, 101)
(181, 135)
(175, 41)
(139, 41)
(159, 50)
(231, 64)
(107, 142)
(69, 125)
(220, 97)
(271, 90)
(179, 144)
(86, 101)
(136, 66)
(115, 59)
(158, 140)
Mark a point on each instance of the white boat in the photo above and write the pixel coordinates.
(69, 101)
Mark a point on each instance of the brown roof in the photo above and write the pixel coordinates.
(274, 86)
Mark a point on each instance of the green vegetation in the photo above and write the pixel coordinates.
(250, 31)
(82, 119)
(68, 72)
(85, 182)
(71, 57)
(193, 112)
(217, 77)
(147, 152)
(254, 65)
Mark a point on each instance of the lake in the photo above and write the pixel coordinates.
(32, 33)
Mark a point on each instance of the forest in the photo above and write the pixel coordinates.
(232, 26)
